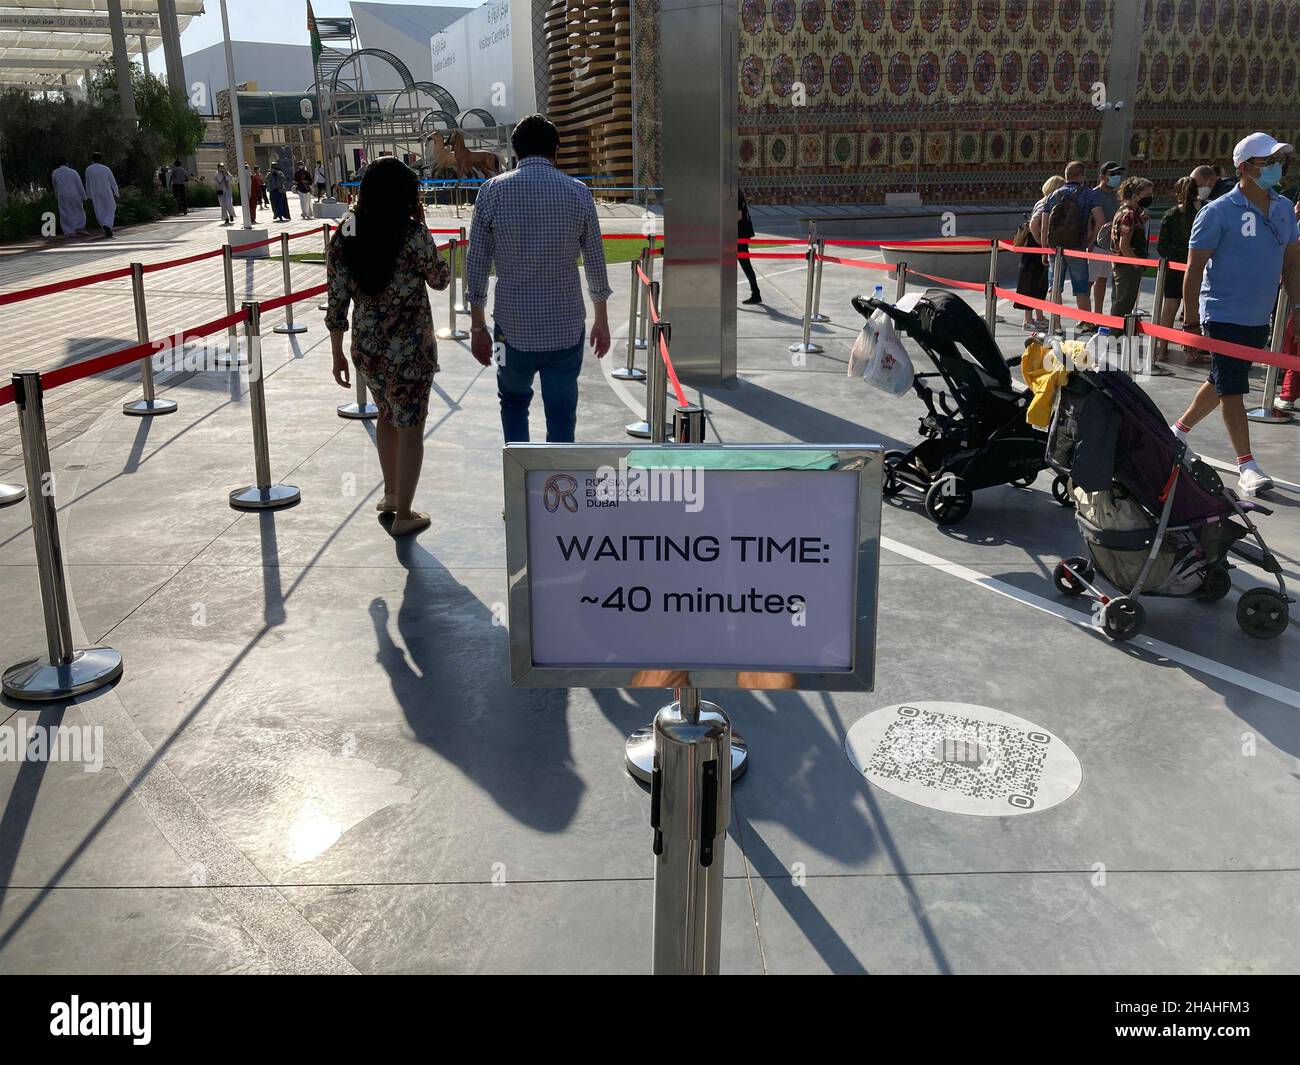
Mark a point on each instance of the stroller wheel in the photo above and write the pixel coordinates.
(1067, 573)
(1025, 482)
(948, 500)
(1061, 490)
(1262, 613)
(892, 485)
(1217, 584)
(1122, 618)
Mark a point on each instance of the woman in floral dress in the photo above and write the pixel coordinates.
(380, 260)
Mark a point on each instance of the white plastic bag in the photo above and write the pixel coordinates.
(878, 356)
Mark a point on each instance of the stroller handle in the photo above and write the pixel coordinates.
(865, 305)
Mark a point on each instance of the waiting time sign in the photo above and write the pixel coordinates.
(739, 567)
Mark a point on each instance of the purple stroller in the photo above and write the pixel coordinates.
(1155, 519)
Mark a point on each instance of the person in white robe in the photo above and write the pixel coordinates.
(102, 190)
(225, 194)
(71, 196)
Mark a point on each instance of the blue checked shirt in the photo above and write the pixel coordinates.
(532, 222)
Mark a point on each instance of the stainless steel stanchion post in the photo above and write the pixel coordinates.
(1128, 355)
(1058, 279)
(643, 317)
(452, 332)
(362, 408)
(657, 386)
(64, 670)
(263, 495)
(288, 326)
(229, 359)
(1158, 304)
(690, 808)
(460, 307)
(688, 424)
(324, 304)
(1266, 412)
(630, 371)
(806, 346)
(900, 281)
(990, 291)
(150, 404)
(817, 315)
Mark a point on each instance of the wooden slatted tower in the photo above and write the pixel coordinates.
(589, 59)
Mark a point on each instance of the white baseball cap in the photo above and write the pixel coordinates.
(1258, 146)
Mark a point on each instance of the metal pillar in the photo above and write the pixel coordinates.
(324, 304)
(1158, 305)
(817, 315)
(630, 371)
(452, 331)
(288, 326)
(690, 808)
(171, 40)
(263, 495)
(1058, 279)
(241, 175)
(64, 670)
(1129, 342)
(699, 69)
(806, 346)
(459, 305)
(643, 301)
(362, 408)
(121, 60)
(144, 53)
(1266, 412)
(900, 281)
(990, 291)
(149, 404)
(229, 359)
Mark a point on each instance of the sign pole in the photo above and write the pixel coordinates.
(690, 808)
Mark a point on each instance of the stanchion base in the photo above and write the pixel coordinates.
(807, 349)
(142, 407)
(322, 306)
(289, 329)
(254, 498)
(639, 754)
(460, 308)
(641, 430)
(40, 680)
(628, 373)
(352, 410)
(452, 334)
(820, 318)
(640, 345)
(11, 494)
(1269, 415)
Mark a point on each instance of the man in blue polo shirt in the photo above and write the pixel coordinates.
(1242, 244)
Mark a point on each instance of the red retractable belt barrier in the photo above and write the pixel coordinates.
(937, 242)
(974, 286)
(149, 268)
(862, 264)
(663, 347)
(60, 286)
(293, 297)
(772, 255)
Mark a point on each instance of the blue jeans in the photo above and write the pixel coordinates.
(559, 371)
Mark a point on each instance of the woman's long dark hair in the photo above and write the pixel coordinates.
(387, 206)
(1185, 194)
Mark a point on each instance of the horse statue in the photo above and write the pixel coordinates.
(467, 162)
(440, 158)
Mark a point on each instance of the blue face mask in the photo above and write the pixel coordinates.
(1269, 176)
(1114, 179)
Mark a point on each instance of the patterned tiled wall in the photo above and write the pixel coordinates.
(1211, 72)
(967, 100)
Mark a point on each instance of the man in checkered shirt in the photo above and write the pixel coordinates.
(532, 222)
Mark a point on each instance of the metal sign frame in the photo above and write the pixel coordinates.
(520, 459)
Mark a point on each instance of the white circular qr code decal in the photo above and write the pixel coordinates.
(963, 759)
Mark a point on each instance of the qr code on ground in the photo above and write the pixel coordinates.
(977, 759)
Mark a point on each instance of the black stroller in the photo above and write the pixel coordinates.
(1156, 520)
(981, 438)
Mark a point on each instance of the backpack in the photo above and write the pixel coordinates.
(1066, 225)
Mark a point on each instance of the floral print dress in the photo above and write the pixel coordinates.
(393, 343)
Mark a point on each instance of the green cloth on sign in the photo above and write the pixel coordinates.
(730, 459)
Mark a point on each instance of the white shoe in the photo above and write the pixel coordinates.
(1284, 404)
(1253, 480)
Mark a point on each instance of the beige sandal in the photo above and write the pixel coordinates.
(414, 523)
(386, 505)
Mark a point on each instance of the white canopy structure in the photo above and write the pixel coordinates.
(44, 44)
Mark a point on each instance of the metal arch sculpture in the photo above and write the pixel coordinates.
(483, 116)
(437, 116)
(446, 102)
(408, 83)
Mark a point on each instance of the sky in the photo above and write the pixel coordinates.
(272, 21)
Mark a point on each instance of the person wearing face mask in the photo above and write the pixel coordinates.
(1241, 245)
(1109, 178)
(1128, 237)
